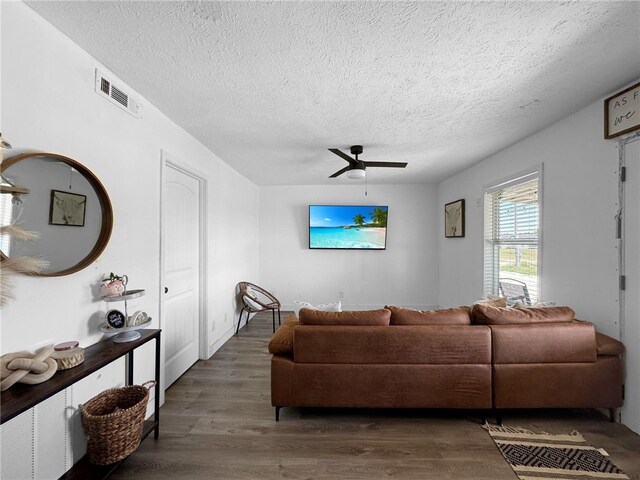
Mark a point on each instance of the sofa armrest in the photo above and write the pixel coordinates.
(608, 346)
(281, 381)
(571, 342)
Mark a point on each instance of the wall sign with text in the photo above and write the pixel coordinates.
(622, 112)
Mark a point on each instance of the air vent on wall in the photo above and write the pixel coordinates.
(116, 95)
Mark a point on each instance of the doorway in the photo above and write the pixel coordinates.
(182, 269)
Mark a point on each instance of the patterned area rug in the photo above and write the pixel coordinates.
(542, 456)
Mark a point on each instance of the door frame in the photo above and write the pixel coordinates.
(621, 217)
(170, 161)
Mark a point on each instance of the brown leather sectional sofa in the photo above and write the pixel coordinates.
(481, 358)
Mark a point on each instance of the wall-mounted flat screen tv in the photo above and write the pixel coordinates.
(355, 227)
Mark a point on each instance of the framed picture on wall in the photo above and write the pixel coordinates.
(67, 209)
(454, 219)
(622, 112)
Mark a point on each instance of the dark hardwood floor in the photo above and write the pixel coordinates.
(218, 423)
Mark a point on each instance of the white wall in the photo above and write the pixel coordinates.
(48, 103)
(403, 274)
(580, 201)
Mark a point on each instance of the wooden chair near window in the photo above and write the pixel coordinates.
(254, 299)
(515, 291)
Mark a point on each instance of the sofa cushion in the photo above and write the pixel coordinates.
(359, 318)
(608, 346)
(281, 342)
(561, 342)
(449, 316)
(488, 315)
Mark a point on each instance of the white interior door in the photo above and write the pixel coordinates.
(181, 253)
(631, 294)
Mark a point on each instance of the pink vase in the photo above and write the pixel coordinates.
(110, 288)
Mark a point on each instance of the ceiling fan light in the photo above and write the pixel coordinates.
(356, 173)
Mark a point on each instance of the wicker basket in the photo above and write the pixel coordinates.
(113, 422)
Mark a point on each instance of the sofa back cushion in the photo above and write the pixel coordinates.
(378, 318)
(449, 316)
(565, 342)
(281, 342)
(410, 344)
(488, 315)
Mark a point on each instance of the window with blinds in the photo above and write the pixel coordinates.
(6, 209)
(512, 239)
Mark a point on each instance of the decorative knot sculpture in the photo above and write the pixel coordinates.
(26, 367)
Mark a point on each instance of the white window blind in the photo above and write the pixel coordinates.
(6, 209)
(512, 239)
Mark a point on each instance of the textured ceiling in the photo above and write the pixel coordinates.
(270, 86)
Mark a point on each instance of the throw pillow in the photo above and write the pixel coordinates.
(251, 292)
(325, 307)
(367, 317)
(493, 301)
(448, 316)
(281, 342)
(488, 315)
(536, 305)
(251, 303)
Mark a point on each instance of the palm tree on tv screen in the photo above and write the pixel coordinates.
(359, 219)
(379, 217)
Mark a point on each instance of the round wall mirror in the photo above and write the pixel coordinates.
(61, 201)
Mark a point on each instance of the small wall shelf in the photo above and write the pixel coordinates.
(130, 295)
(127, 333)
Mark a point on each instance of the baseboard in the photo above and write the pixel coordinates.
(215, 346)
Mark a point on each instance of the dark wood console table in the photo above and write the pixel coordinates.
(21, 398)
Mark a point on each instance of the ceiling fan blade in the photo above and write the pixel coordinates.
(343, 155)
(340, 172)
(386, 164)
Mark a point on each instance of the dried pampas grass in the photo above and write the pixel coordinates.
(18, 233)
(10, 267)
(24, 265)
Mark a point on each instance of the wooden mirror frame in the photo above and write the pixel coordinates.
(103, 197)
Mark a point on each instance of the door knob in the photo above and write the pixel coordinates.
(166, 289)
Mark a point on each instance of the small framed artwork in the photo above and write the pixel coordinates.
(622, 112)
(67, 209)
(454, 219)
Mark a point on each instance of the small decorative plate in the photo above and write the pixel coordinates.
(116, 319)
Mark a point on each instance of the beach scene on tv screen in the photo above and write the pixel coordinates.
(340, 226)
